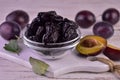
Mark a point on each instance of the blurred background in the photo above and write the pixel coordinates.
(66, 8)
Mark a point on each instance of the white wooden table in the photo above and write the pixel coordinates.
(66, 8)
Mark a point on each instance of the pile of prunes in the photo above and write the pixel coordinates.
(49, 27)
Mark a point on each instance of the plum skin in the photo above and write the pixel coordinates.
(111, 15)
(19, 16)
(112, 53)
(103, 29)
(85, 19)
(10, 30)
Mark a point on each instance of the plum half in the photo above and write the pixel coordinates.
(10, 30)
(112, 52)
(91, 45)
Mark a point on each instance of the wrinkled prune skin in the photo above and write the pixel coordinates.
(42, 14)
(56, 19)
(33, 27)
(48, 27)
(69, 30)
(51, 35)
(46, 16)
(71, 23)
(68, 36)
(40, 33)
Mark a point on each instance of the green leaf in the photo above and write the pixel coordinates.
(39, 67)
(12, 46)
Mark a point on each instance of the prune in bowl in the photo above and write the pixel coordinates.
(52, 50)
(51, 34)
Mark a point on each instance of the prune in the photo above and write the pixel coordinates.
(68, 31)
(40, 32)
(48, 27)
(35, 25)
(36, 21)
(9, 30)
(46, 16)
(111, 15)
(19, 16)
(65, 27)
(29, 31)
(85, 19)
(51, 35)
(57, 19)
(71, 23)
(103, 29)
(69, 34)
(49, 12)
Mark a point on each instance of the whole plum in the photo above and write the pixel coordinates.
(103, 29)
(9, 30)
(111, 15)
(85, 19)
(19, 16)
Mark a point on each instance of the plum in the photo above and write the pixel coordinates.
(103, 29)
(9, 30)
(85, 19)
(111, 15)
(19, 16)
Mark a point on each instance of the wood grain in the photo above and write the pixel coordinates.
(66, 8)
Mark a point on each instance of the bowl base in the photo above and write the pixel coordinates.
(52, 55)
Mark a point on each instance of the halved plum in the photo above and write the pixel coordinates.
(91, 45)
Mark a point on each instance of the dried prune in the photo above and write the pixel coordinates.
(49, 27)
(71, 23)
(40, 33)
(57, 19)
(46, 16)
(49, 12)
(50, 38)
(69, 32)
(34, 25)
(51, 35)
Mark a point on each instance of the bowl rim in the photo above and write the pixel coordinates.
(49, 49)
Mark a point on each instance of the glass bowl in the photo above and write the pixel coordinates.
(52, 50)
